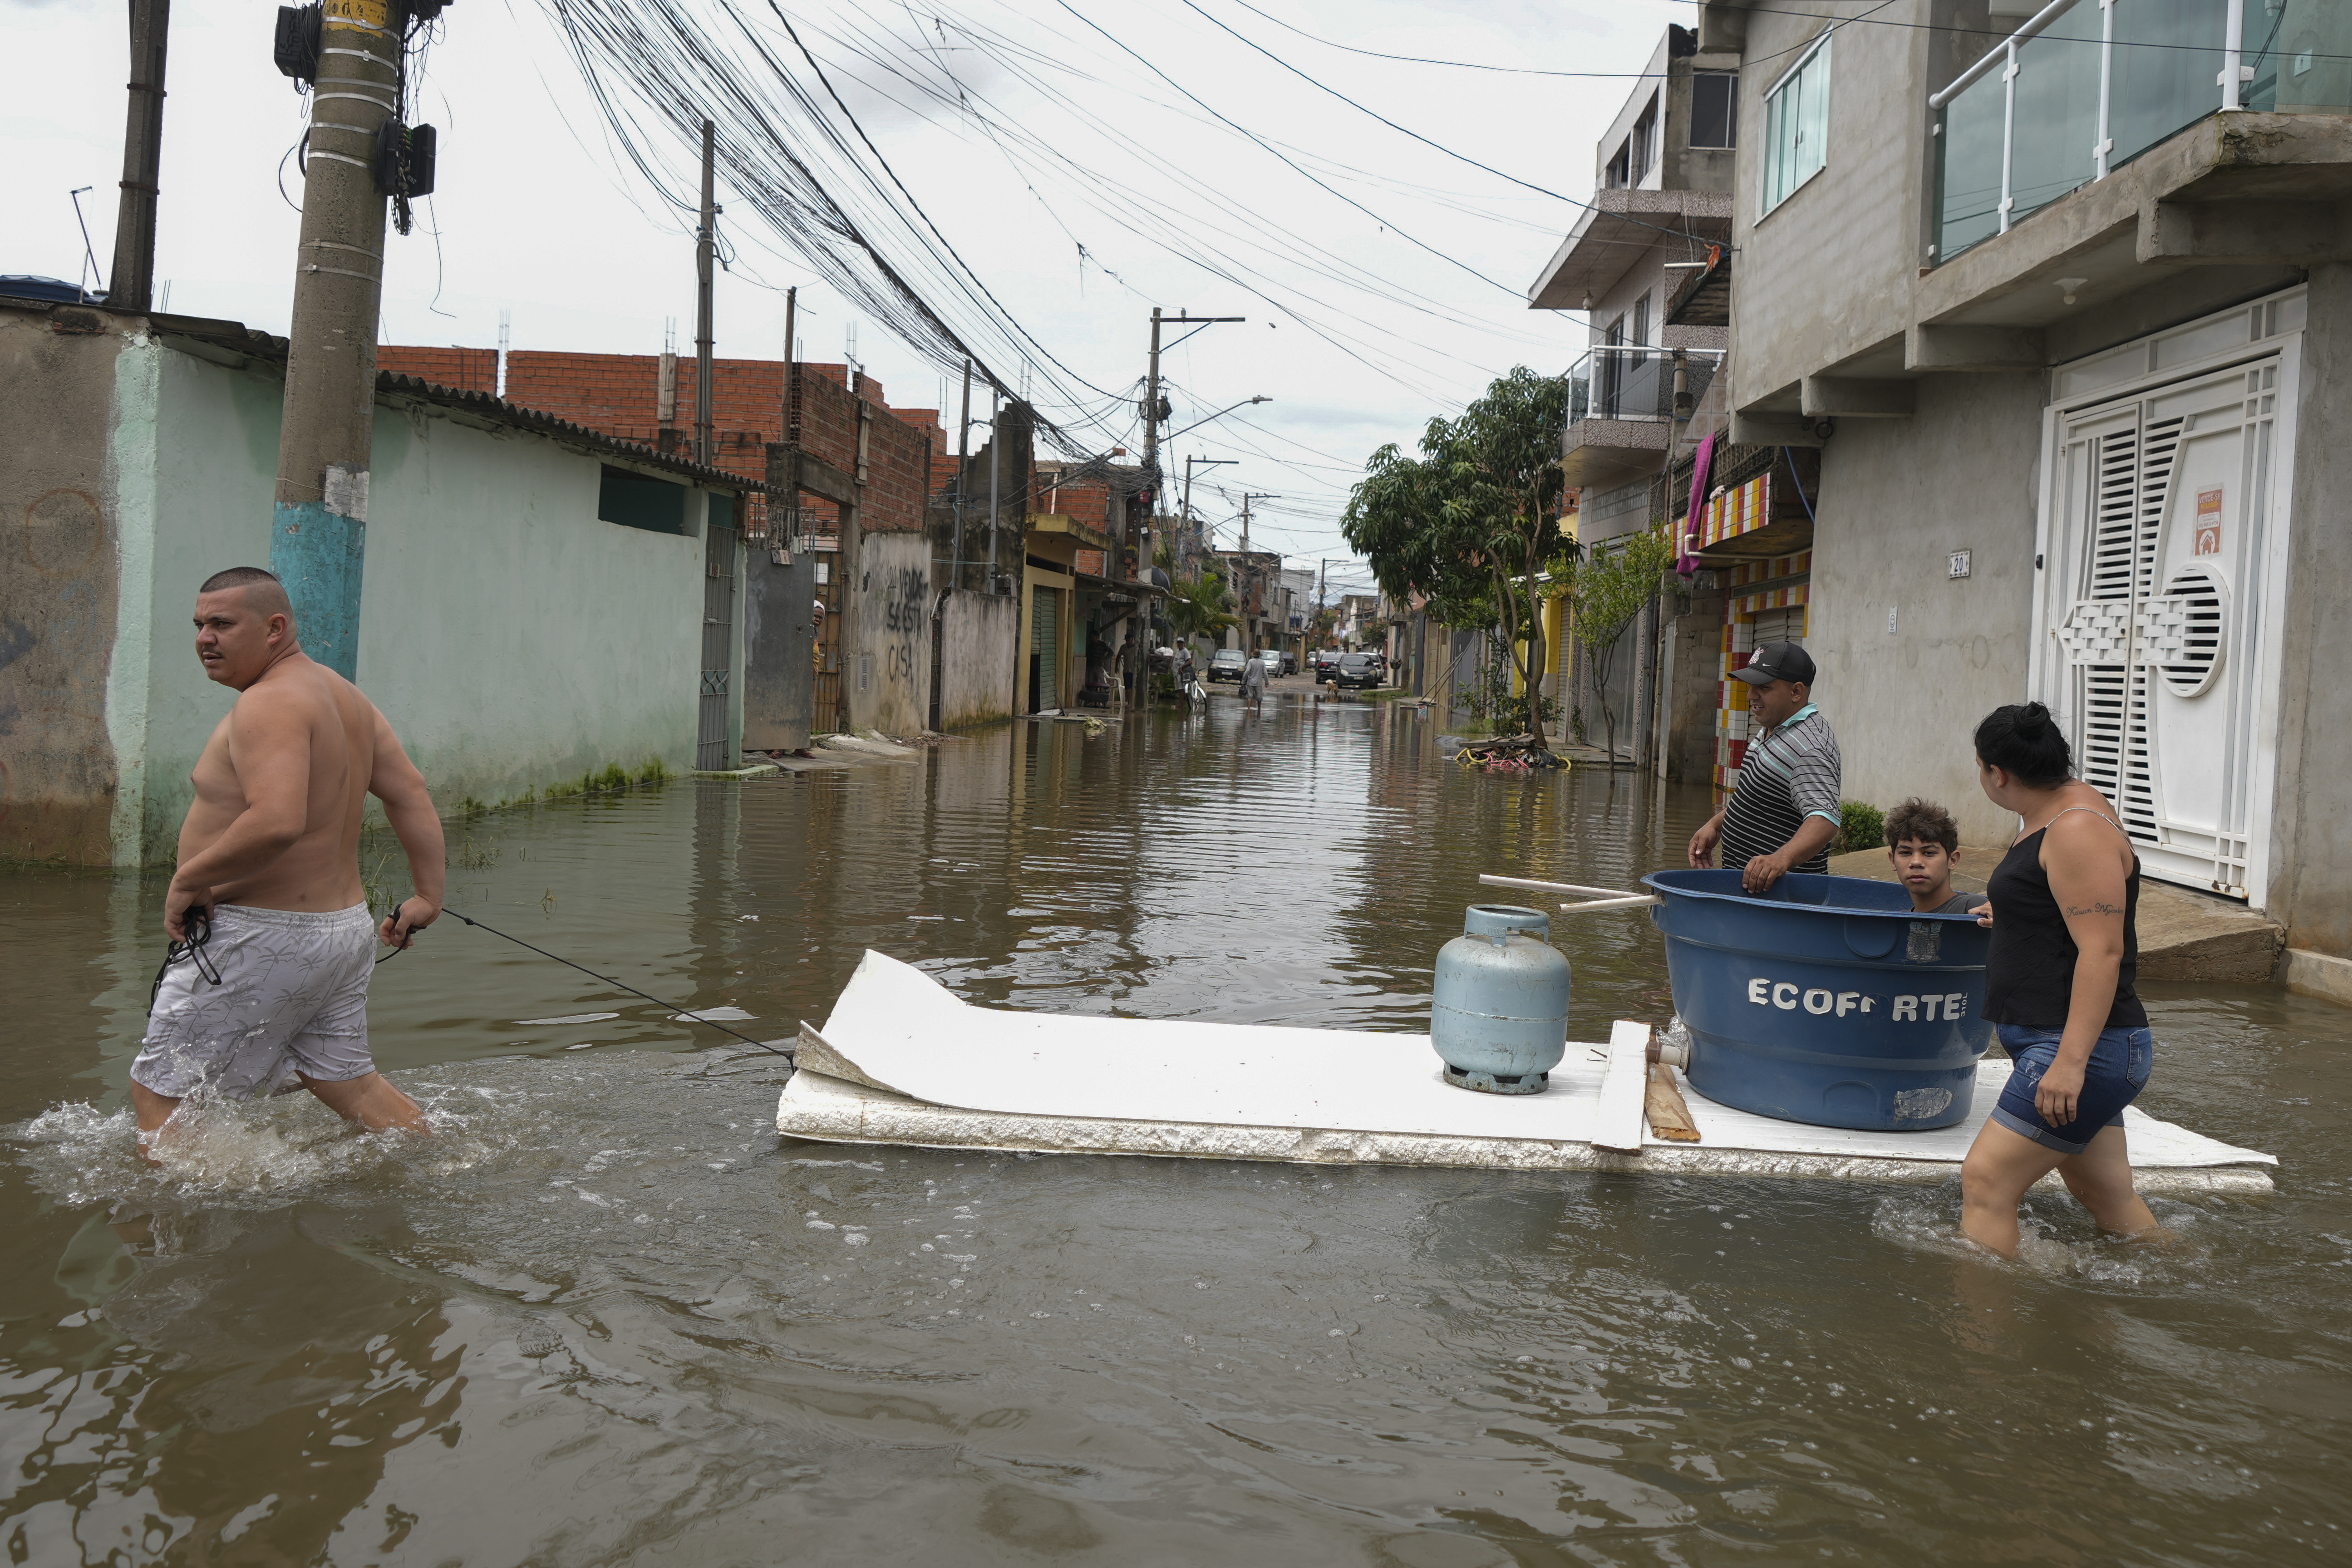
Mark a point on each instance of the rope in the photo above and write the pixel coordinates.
(684, 1013)
(198, 923)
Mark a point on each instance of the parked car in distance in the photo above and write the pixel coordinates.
(1226, 663)
(1323, 659)
(1354, 669)
(1289, 664)
(1272, 660)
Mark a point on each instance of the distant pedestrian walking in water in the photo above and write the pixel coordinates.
(1254, 682)
(2058, 990)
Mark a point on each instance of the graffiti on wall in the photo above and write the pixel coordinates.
(906, 621)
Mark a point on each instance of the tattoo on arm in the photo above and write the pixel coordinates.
(2096, 907)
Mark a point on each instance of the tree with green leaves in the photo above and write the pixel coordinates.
(1610, 586)
(1201, 606)
(1473, 523)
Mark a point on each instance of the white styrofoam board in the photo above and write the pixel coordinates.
(834, 1111)
(907, 1032)
(920, 1067)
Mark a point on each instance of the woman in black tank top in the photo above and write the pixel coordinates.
(2058, 989)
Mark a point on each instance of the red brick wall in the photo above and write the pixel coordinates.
(901, 449)
(619, 395)
(460, 370)
(1087, 501)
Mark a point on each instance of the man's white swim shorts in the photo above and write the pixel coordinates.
(291, 998)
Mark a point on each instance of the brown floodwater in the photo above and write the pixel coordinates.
(595, 1321)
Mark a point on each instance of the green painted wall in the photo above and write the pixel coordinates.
(514, 639)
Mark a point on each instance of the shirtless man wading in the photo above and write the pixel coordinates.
(276, 996)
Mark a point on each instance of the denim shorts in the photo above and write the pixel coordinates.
(2118, 1070)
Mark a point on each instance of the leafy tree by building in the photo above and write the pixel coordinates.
(1473, 523)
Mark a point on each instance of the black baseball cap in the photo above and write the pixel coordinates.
(1777, 661)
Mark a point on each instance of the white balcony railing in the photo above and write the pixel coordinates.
(2086, 86)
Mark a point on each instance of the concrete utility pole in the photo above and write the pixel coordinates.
(963, 472)
(996, 470)
(1151, 422)
(784, 522)
(130, 283)
(318, 541)
(1190, 464)
(705, 238)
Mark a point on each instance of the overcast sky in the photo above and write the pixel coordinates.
(1372, 317)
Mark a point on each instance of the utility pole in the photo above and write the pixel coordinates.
(1247, 496)
(996, 470)
(130, 283)
(963, 473)
(1152, 418)
(318, 541)
(704, 246)
(784, 524)
(1190, 464)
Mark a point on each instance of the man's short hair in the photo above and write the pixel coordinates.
(1922, 822)
(263, 591)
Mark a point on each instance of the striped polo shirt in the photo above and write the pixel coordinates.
(1790, 773)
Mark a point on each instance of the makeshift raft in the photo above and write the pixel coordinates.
(902, 1061)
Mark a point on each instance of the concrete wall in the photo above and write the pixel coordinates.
(59, 557)
(511, 638)
(514, 639)
(1897, 497)
(887, 664)
(1826, 275)
(980, 633)
(2311, 833)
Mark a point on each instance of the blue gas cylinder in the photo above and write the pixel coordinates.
(1500, 1015)
(1827, 1000)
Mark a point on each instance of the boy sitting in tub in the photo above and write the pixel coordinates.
(1924, 846)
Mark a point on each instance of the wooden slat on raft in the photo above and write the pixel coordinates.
(1670, 1116)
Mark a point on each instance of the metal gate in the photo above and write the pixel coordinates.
(1044, 641)
(779, 627)
(710, 752)
(826, 714)
(2152, 625)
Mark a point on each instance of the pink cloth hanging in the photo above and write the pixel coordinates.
(1694, 519)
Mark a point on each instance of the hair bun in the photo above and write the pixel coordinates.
(2032, 721)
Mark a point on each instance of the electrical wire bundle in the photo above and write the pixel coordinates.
(656, 74)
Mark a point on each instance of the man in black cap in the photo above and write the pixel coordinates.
(1783, 816)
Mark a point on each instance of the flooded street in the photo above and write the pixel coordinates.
(607, 1317)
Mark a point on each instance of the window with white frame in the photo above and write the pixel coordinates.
(1796, 126)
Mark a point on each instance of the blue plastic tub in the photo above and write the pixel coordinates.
(1827, 1000)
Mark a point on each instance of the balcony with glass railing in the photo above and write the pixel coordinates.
(1634, 382)
(1622, 409)
(2083, 87)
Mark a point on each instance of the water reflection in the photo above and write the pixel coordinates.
(608, 1317)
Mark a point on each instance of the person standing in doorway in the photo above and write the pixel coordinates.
(272, 944)
(1784, 815)
(2059, 989)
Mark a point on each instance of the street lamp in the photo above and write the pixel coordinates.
(1220, 414)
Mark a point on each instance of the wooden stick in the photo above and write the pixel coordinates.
(1623, 902)
(1670, 1116)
